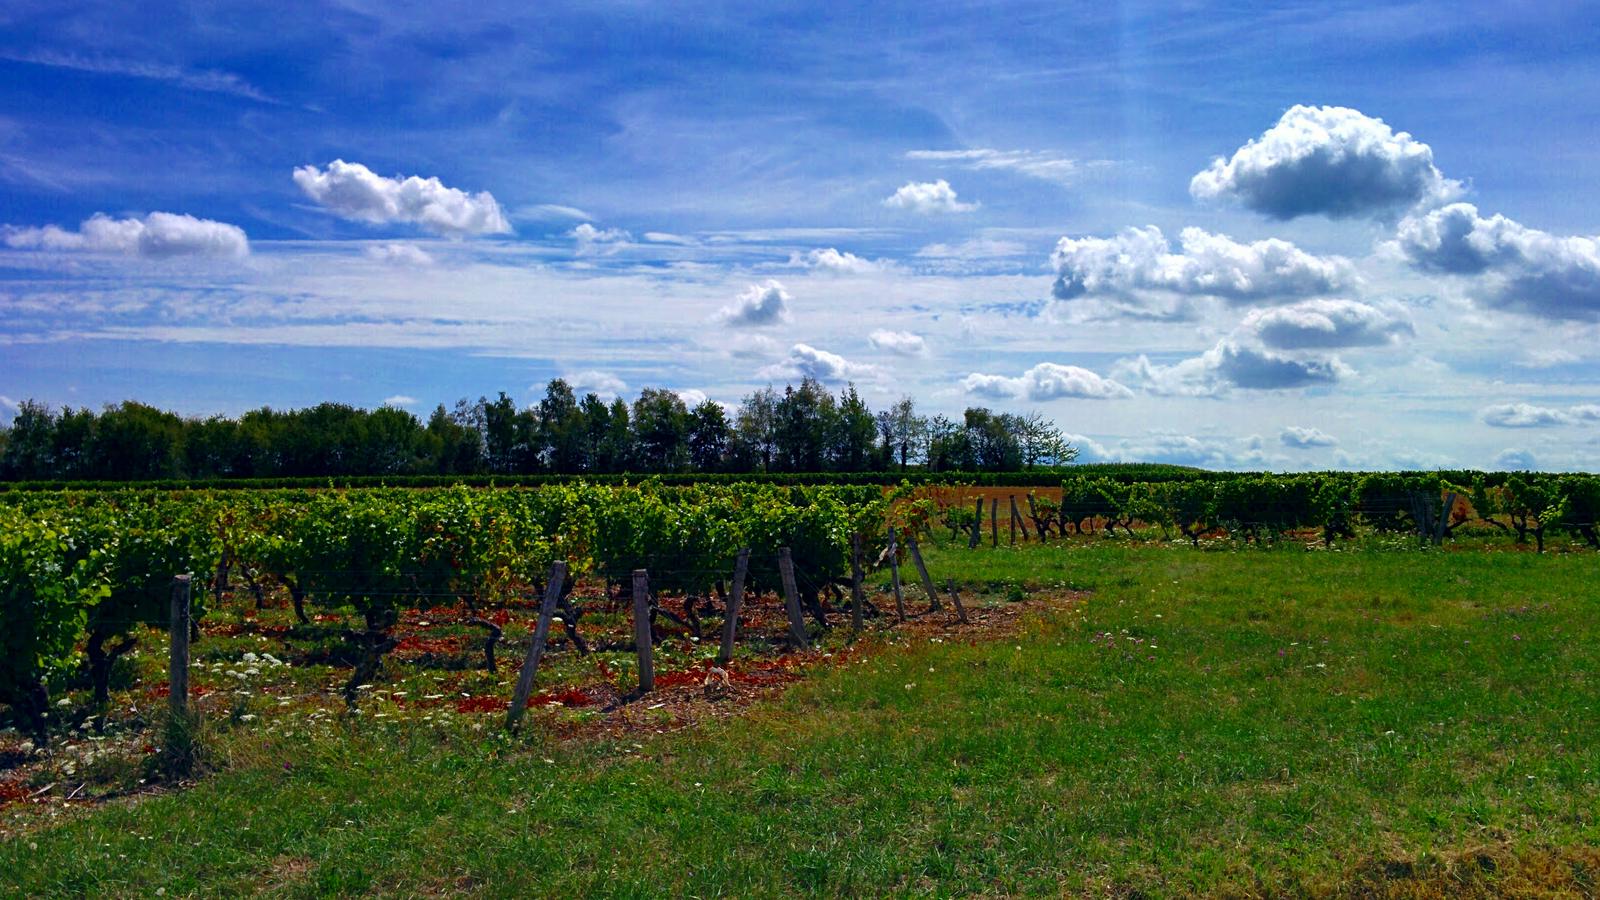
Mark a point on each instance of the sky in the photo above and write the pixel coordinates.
(1304, 236)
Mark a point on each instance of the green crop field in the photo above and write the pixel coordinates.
(1160, 720)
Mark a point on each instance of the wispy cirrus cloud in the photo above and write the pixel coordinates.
(1045, 165)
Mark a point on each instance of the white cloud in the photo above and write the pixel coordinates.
(1327, 160)
(399, 400)
(1229, 364)
(975, 248)
(1301, 438)
(399, 254)
(927, 198)
(598, 240)
(1179, 450)
(691, 397)
(666, 237)
(829, 259)
(1511, 460)
(1549, 357)
(1138, 261)
(1520, 269)
(806, 361)
(545, 212)
(353, 191)
(158, 235)
(605, 384)
(761, 305)
(1046, 381)
(209, 80)
(1527, 415)
(1324, 324)
(1042, 164)
(903, 343)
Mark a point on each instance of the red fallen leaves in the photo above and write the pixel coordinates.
(563, 696)
(164, 689)
(441, 646)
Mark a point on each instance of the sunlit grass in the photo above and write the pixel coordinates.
(1217, 721)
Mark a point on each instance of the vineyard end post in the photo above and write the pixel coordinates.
(644, 643)
(894, 575)
(922, 570)
(791, 599)
(730, 625)
(178, 662)
(541, 633)
(961, 611)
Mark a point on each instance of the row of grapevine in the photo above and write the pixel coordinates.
(79, 572)
(1253, 507)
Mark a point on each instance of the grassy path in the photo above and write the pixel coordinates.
(1251, 722)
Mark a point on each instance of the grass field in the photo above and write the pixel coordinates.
(1225, 721)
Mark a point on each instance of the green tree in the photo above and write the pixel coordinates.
(660, 431)
(710, 437)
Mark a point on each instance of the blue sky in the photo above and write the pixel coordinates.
(1308, 236)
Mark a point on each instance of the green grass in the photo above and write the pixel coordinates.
(1257, 722)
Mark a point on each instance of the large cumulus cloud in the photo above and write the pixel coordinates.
(1230, 363)
(1516, 268)
(1327, 160)
(806, 361)
(1046, 381)
(353, 191)
(1138, 262)
(1326, 324)
(157, 235)
(761, 305)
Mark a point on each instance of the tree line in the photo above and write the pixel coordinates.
(803, 428)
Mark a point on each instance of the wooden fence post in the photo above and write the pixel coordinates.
(178, 661)
(644, 642)
(858, 597)
(1013, 522)
(977, 526)
(994, 521)
(922, 570)
(894, 575)
(961, 611)
(541, 634)
(791, 599)
(730, 625)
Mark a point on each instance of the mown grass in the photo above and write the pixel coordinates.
(1246, 722)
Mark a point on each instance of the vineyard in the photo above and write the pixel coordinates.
(81, 571)
(351, 624)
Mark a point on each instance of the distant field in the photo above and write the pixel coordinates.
(1232, 721)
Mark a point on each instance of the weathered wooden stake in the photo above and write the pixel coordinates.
(858, 597)
(1444, 518)
(977, 526)
(1013, 521)
(541, 634)
(178, 663)
(894, 575)
(922, 570)
(961, 611)
(730, 625)
(994, 521)
(1033, 516)
(791, 599)
(1017, 521)
(644, 642)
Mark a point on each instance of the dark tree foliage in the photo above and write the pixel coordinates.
(803, 429)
